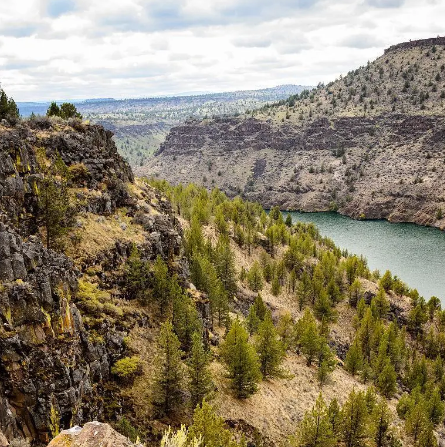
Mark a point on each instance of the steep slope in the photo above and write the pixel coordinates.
(61, 332)
(369, 145)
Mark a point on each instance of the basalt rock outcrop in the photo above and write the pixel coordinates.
(53, 369)
(369, 145)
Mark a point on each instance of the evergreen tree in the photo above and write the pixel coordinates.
(354, 358)
(381, 420)
(254, 277)
(169, 372)
(53, 110)
(161, 284)
(252, 321)
(225, 265)
(380, 305)
(386, 281)
(387, 380)
(355, 420)
(308, 336)
(326, 362)
(269, 347)
(54, 212)
(241, 361)
(136, 276)
(335, 417)
(185, 317)
(200, 378)
(285, 330)
(315, 430)
(355, 292)
(210, 428)
(8, 108)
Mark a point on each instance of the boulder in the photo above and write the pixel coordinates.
(3, 441)
(92, 434)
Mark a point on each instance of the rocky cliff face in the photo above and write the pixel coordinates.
(53, 367)
(369, 145)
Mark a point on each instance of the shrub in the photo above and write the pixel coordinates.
(127, 368)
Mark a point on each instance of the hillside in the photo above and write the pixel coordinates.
(369, 145)
(141, 124)
(124, 301)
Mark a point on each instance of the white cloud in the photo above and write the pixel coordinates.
(129, 48)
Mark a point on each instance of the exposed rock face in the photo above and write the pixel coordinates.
(393, 166)
(370, 144)
(52, 370)
(93, 434)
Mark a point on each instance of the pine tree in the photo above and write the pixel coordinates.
(225, 265)
(136, 276)
(355, 292)
(255, 278)
(386, 281)
(381, 420)
(161, 284)
(210, 428)
(200, 378)
(185, 317)
(252, 321)
(241, 361)
(326, 362)
(315, 430)
(380, 305)
(54, 206)
(355, 420)
(354, 358)
(334, 414)
(308, 337)
(169, 372)
(269, 347)
(285, 329)
(387, 380)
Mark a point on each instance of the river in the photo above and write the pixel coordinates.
(414, 253)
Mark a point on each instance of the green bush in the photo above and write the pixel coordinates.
(127, 368)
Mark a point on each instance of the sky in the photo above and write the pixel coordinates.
(78, 49)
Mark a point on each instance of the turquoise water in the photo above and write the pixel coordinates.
(414, 253)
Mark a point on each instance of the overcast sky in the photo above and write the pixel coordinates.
(73, 49)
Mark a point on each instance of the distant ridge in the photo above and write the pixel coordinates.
(417, 43)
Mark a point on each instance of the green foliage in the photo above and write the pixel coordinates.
(127, 368)
(386, 281)
(8, 108)
(168, 381)
(355, 420)
(241, 361)
(200, 379)
(316, 428)
(354, 359)
(125, 428)
(54, 212)
(255, 277)
(65, 111)
(269, 347)
(210, 428)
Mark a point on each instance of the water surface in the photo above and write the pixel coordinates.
(414, 253)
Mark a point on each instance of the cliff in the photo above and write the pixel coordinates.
(56, 351)
(369, 145)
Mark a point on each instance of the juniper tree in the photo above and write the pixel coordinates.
(241, 361)
(161, 284)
